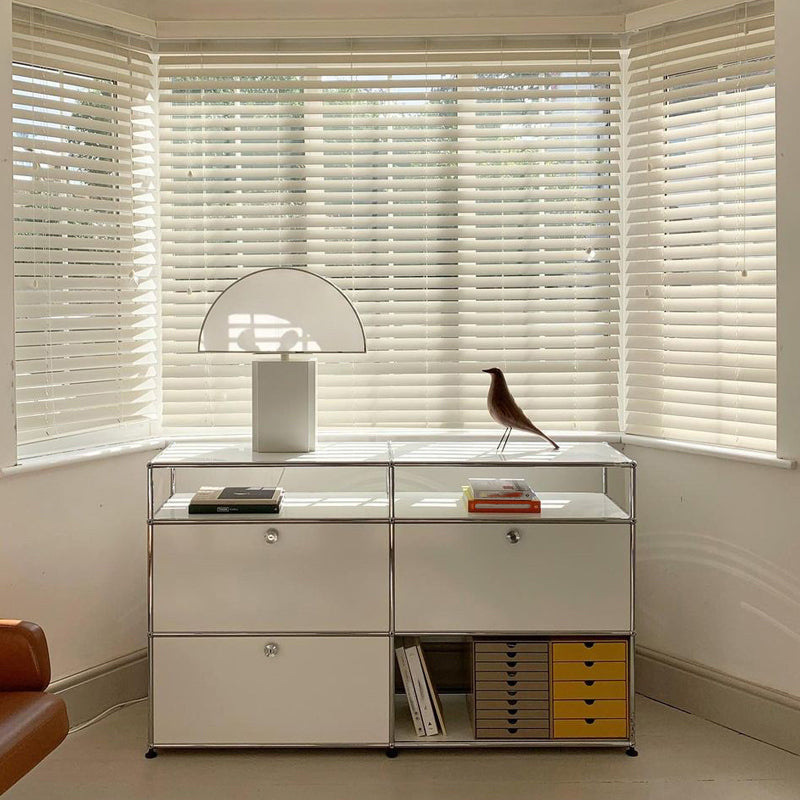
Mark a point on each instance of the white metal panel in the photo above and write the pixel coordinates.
(217, 578)
(469, 577)
(316, 690)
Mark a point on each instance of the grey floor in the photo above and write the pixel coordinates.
(681, 758)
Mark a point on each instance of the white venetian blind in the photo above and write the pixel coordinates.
(84, 239)
(700, 273)
(464, 193)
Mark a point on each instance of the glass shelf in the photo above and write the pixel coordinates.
(298, 506)
(562, 506)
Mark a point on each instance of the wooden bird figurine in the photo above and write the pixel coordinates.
(504, 410)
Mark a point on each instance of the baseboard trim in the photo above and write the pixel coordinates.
(92, 691)
(749, 708)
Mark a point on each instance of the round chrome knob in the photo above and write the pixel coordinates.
(271, 536)
(513, 536)
(270, 650)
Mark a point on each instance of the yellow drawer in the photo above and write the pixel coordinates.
(589, 670)
(590, 690)
(583, 709)
(590, 651)
(590, 728)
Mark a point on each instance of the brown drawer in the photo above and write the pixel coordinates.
(511, 716)
(512, 733)
(524, 694)
(511, 684)
(590, 728)
(590, 670)
(590, 690)
(511, 704)
(588, 650)
(497, 673)
(512, 655)
(510, 646)
(597, 709)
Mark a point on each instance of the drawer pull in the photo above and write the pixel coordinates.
(270, 650)
(589, 683)
(513, 536)
(271, 536)
(513, 702)
(588, 645)
(589, 702)
(511, 664)
(588, 663)
(512, 730)
(511, 683)
(589, 721)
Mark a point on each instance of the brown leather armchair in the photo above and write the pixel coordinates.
(32, 722)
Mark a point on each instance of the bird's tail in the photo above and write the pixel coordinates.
(555, 446)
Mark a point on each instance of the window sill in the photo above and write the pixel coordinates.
(39, 463)
(729, 453)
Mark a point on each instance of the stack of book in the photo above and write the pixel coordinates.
(236, 500)
(426, 710)
(498, 495)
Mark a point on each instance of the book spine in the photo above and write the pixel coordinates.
(421, 688)
(510, 506)
(251, 508)
(411, 695)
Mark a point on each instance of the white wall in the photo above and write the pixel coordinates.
(719, 564)
(73, 558)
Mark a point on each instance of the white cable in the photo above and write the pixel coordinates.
(104, 714)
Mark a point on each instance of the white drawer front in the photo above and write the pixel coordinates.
(316, 690)
(471, 578)
(315, 578)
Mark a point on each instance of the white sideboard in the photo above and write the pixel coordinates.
(279, 630)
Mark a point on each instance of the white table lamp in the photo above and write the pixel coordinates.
(283, 311)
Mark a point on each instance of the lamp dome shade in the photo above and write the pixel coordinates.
(282, 310)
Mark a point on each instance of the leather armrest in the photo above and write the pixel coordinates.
(24, 658)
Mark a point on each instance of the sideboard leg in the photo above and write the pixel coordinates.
(632, 752)
(391, 752)
(151, 753)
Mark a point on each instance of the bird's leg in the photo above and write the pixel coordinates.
(504, 440)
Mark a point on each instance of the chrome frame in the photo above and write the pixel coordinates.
(390, 464)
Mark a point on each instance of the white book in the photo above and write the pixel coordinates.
(437, 706)
(421, 688)
(405, 674)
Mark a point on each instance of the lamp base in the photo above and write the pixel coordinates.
(284, 406)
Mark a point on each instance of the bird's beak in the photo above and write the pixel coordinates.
(484, 370)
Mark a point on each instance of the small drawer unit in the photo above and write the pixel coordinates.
(511, 689)
(590, 689)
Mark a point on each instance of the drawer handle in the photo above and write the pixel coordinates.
(513, 694)
(510, 654)
(270, 650)
(511, 673)
(589, 721)
(512, 702)
(511, 683)
(513, 536)
(588, 663)
(271, 536)
(589, 702)
(512, 730)
(588, 645)
(589, 683)
(511, 664)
